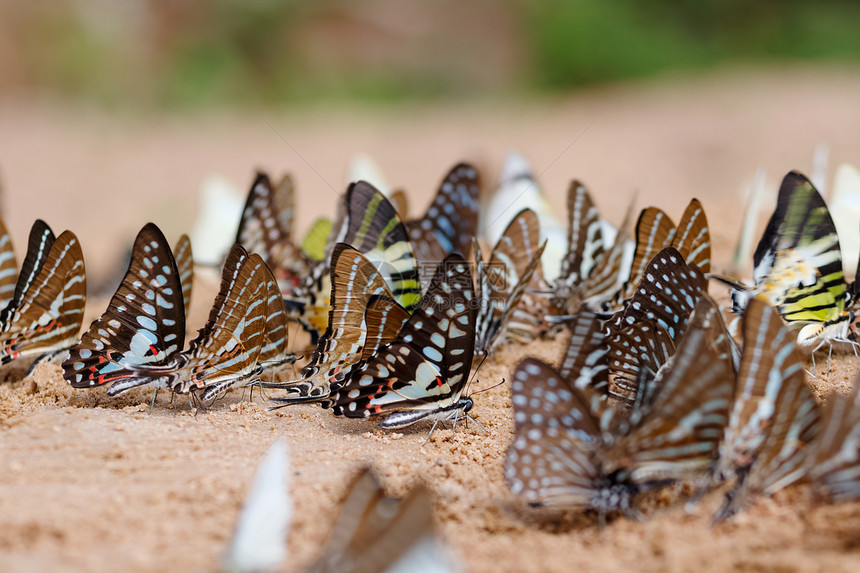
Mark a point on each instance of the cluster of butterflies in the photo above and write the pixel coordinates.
(658, 393)
(653, 390)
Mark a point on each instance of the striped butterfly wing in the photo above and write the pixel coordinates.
(51, 310)
(226, 349)
(693, 238)
(585, 362)
(451, 220)
(585, 244)
(833, 462)
(369, 223)
(798, 262)
(667, 294)
(502, 281)
(138, 339)
(426, 368)
(635, 353)
(267, 218)
(373, 531)
(354, 280)
(654, 232)
(38, 246)
(781, 459)
(769, 366)
(675, 434)
(383, 318)
(8, 267)
(551, 459)
(185, 265)
(265, 228)
(606, 278)
(273, 351)
(780, 453)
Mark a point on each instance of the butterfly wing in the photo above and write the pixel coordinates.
(354, 281)
(798, 262)
(550, 460)
(8, 267)
(428, 365)
(314, 241)
(833, 462)
(675, 434)
(769, 365)
(259, 541)
(693, 238)
(585, 362)
(38, 246)
(141, 333)
(654, 232)
(273, 351)
(185, 265)
(384, 319)
(227, 347)
(452, 218)
(50, 312)
(584, 236)
(503, 280)
(373, 531)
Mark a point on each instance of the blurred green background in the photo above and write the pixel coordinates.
(192, 53)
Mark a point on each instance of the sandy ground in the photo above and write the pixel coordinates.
(92, 483)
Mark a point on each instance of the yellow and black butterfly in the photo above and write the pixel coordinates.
(798, 268)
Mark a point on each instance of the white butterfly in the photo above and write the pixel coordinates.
(259, 543)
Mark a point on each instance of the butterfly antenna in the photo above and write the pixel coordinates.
(472, 379)
(489, 388)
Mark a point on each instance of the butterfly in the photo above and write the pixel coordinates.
(185, 266)
(265, 228)
(8, 266)
(641, 337)
(798, 267)
(502, 281)
(569, 450)
(259, 540)
(833, 460)
(378, 533)
(273, 352)
(656, 231)
(225, 352)
(591, 270)
(47, 307)
(139, 338)
(774, 417)
(369, 223)
(451, 221)
(354, 281)
(421, 374)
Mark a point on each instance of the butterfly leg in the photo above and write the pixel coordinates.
(152, 404)
(433, 429)
(485, 430)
